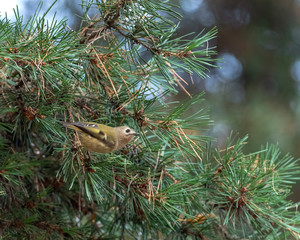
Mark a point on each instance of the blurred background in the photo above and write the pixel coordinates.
(256, 90)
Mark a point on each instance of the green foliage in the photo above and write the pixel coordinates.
(122, 67)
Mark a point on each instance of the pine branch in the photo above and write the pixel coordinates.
(123, 67)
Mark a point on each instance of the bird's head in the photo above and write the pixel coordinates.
(124, 135)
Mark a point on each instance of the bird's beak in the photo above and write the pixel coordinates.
(135, 134)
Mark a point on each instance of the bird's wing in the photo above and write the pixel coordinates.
(95, 130)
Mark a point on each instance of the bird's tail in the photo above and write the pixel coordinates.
(69, 125)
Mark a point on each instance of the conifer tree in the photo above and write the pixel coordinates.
(123, 67)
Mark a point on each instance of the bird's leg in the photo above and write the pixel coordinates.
(88, 157)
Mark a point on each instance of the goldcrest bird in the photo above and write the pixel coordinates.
(100, 138)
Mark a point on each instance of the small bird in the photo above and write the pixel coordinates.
(100, 138)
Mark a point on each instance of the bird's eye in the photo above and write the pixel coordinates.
(127, 130)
